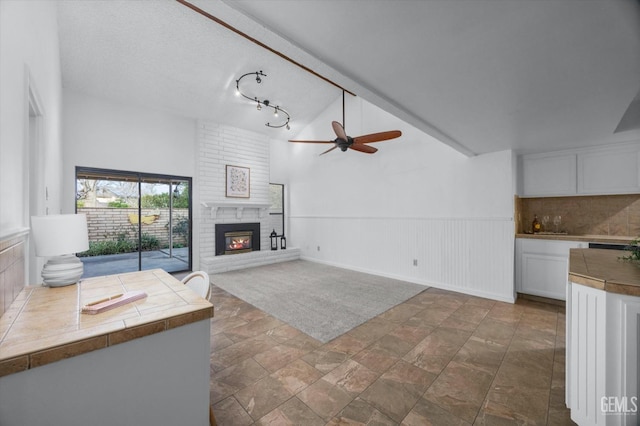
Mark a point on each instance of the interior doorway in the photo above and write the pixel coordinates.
(34, 166)
(137, 221)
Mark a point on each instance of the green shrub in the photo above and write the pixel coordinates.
(118, 204)
(122, 244)
(149, 242)
(155, 201)
(181, 227)
(99, 248)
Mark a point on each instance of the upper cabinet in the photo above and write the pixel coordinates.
(549, 175)
(609, 171)
(591, 171)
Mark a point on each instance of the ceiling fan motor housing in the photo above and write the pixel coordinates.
(344, 144)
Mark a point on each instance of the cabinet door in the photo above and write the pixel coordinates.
(549, 175)
(542, 275)
(609, 171)
(542, 266)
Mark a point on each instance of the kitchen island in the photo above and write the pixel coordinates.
(603, 313)
(143, 363)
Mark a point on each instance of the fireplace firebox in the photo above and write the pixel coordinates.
(234, 238)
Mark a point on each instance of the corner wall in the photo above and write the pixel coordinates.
(30, 149)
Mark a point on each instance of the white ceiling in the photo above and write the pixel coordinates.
(479, 75)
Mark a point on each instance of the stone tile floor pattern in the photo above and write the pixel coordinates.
(440, 358)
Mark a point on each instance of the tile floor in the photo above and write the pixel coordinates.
(439, 358)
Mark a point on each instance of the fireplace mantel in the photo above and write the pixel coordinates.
(240, 207)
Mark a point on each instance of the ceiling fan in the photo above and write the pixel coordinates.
(358, 143)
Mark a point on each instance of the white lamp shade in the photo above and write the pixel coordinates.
(56, 235)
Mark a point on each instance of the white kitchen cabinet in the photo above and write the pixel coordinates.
(612, 170)
(549, 175)
(542, 266)
(605, 170)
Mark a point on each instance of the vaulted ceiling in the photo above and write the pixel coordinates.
(479, 75)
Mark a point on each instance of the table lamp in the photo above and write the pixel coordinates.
(59, 237)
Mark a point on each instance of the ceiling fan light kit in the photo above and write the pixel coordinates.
(260, 103)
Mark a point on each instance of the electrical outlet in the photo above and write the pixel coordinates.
(415, 262)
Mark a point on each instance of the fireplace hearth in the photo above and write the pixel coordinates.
(235, 238)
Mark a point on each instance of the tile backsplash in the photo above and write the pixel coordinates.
(615, 215)
(11, 270)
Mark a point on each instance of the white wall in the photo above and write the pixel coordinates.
(414, 199)
(110, 135)
(29, 56)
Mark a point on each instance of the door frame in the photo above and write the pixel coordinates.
(104, 174)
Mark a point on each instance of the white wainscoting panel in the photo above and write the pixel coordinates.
(468, 255)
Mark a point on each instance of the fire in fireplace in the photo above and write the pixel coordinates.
(237, 242)
(234, 238)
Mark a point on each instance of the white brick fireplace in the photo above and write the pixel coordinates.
(219, 146)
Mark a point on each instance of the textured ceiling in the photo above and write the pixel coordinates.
(479, 75)
(160, 54)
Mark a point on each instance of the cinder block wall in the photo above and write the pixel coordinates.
(12, 263)
(107, 223)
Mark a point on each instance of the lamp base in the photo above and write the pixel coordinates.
(63, 270)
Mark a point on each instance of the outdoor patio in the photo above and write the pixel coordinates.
(95, 266)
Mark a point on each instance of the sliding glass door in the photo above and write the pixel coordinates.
(137, 221)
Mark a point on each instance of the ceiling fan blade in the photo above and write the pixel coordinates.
(363, 148)
(377, 137)
(329, 150)
(310, 141)
(339, 130)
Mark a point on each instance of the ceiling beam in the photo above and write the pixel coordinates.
(259, 43)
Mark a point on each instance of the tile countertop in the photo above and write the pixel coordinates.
(44, 325)
(603, 269)
(607, 239)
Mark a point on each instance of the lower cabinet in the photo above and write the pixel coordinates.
(542, 266)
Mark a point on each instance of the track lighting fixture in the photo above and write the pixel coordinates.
(264, 102)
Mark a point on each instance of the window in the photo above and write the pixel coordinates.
(276, 197)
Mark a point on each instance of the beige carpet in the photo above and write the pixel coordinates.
(320, 300)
